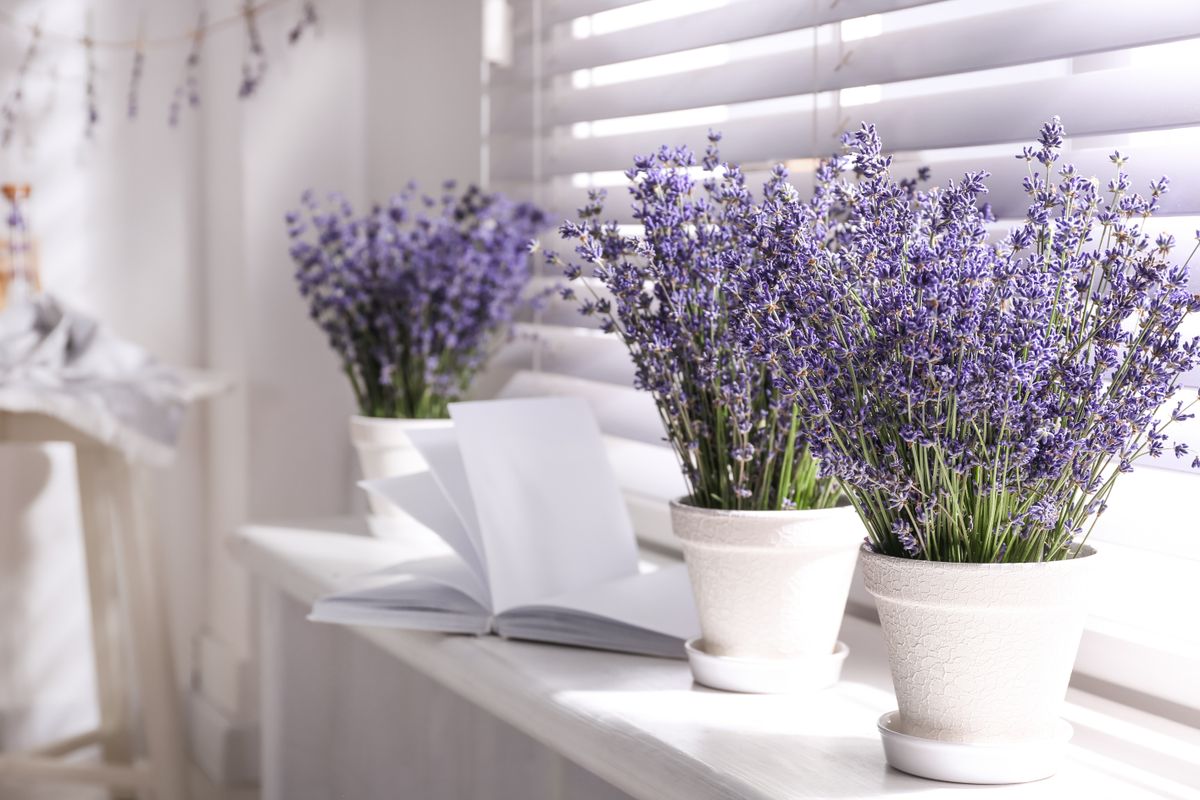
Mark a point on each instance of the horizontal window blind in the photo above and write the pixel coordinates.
(951, 84)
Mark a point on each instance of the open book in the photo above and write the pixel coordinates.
(542, 546)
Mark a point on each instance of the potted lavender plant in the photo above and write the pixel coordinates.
(977, 401)
(769, 546)
(413, 304)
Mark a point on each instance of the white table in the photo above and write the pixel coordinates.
(639, 724)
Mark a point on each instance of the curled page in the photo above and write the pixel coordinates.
(551, 515)
(439, 447)
(420, 496)
(437, 593)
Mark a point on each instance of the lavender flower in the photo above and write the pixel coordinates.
(308, 20)
(976, 400)
(413, 304)
(664, 293)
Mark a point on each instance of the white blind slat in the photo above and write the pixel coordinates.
(621, 410)
(991, 115)
(558, 11)
(580, 352)
(1008, 38)
(556, 310)
(745, 19)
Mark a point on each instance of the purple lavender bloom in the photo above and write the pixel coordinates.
(308, 20)
(665, 293)
(413, 304)
(975, 399)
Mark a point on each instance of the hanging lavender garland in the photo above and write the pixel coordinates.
(10, 112)
(253, 69)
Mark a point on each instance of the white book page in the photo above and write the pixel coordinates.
(420, 496)
(551, 515)
(447, 570)
(659, 601)
(439, 447)
(406, 602)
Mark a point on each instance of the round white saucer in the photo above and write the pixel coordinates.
(765, 676)
(1017, 762)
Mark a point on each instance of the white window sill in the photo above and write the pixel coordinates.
(640, 723)
(1141, 638)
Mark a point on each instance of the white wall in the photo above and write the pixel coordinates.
(422, 80)
(175, 239)
(371, 102)
(388, 92)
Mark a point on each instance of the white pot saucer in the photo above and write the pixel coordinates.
(957, 762)
(765, 676)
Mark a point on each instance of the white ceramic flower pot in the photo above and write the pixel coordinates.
(980, 653)
(769, 585)
(384, 451)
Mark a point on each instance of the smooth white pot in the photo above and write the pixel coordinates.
(980, 653)
(769, 584)
(384, 451)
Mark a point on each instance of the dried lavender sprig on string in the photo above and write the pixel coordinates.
(254, 63)
(308, 21)
(135, 79)
(90, 91)
(189, 88)
(10, 112)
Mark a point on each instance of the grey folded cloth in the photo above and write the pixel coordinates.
(58, 362)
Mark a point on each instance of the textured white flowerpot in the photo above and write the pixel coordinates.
(769, 585)
(980, 653)
(384, 451)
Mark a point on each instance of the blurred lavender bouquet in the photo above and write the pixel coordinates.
(413, 302)
(976, 400)
(663, 292)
